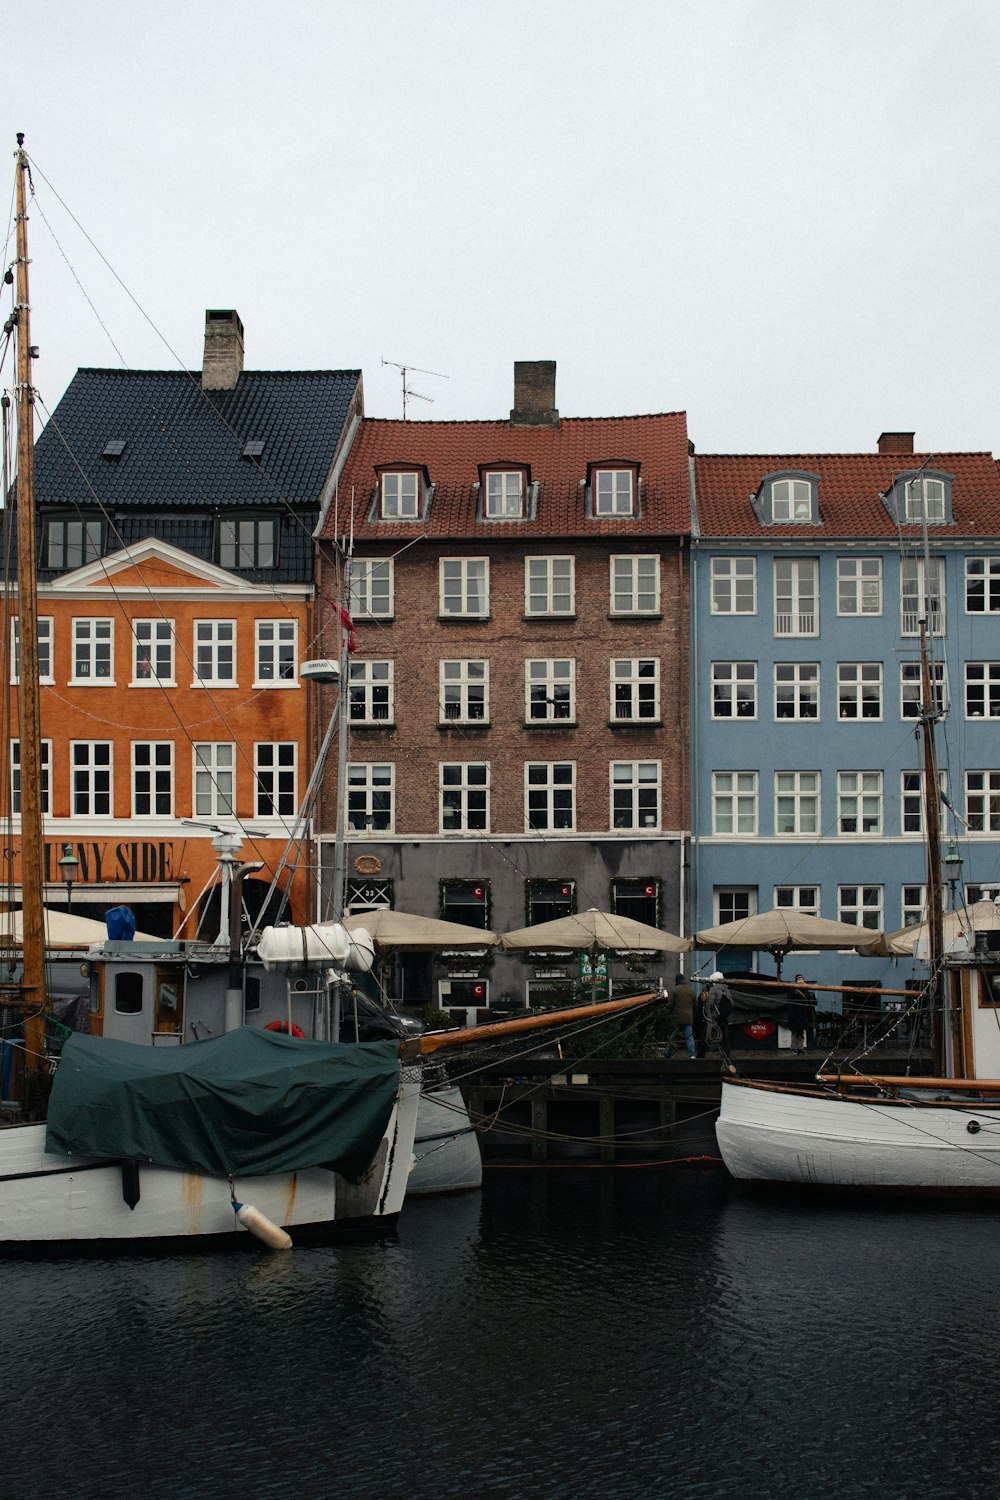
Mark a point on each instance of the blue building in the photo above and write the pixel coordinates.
(810, 575)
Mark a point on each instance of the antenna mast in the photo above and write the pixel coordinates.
(408, 394)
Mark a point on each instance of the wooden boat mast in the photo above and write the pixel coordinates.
(28, 710)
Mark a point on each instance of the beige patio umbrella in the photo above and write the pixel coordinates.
(982, 916)
(409, 932)
(63, 929)
(784, 931)
(595, 932)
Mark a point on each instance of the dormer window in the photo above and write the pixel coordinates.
(613, 489)
(920, 496)
(399, 493)
(506, 491)
(787, 499)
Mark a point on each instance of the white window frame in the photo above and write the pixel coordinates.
(610, 496)
(372, 587)
(504, 494)
(734, 686)
(276, 653)
(550, 791)
(796, 597)
(912, 904)
(735, 804)
(153, 642)
(93, 649)
(371, 689)
(859, 586)
(464, 584)
(550, 690)
(733, 586)
(635, 688)
(982, 679)
(550, 586)
(370, 783)
(982, 801)
(797, 804)
(859, 802)
(276, 779)
(45, 769)
(399, 495)
(791, 501)
(464, 797)
(924, 498)
(857, 681)
(982, 576)
(911, 595)
(150, 780)
(635, 583)
(46, 640)
(727, 898)
(635, 795)
(803, 899)
(911, 688)
(213, 779)
(911, 802)
(866, 901)
(92, 779)
(796, 686)
(464, 686)
(212, 639)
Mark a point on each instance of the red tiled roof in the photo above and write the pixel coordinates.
(558, 456)
(849, 489)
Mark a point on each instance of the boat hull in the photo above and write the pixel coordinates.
(446, 1154)
(826, 1139)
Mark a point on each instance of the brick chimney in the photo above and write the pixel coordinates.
(895, 442)
(223, 361)
(535, 393)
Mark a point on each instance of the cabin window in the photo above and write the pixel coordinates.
(128, 994)
(251, 994)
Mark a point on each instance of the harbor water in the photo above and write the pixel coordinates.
(569, 1332)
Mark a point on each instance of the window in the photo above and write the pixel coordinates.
(911, 788)
(796, 596)
(635, 689)
(637, 899)
(466, 901)
(45, 767)
(859, 689)
(71, 543)
(215, 653)
(913, 602)
(734, 585)
(214, 780)
(91, 772)
(465, 798)
(924, 499)
(982, 801)
(45, 636)
(504, 495)
(550, 796)
(370, 694)
(400, 495)
(913, 904)
(982, 690)
(791, 500)
(734, 802)
(800, 898)
(93, 650)
(547, 900)
(276, 650)
(796, 690)
(911, 690)
(860, 905)
(550, 690)
(734, 904)
(152, 779)
(859, 801)
(152, 653)
(549, 586)
(371, 588)
(247, 542)
(859, 585)
(368, 893)
(635, 794)
(612, 492)
(982, 585)
(465, 690)
(128, 994)
(465, 586)
(796, 802)
(370, 798)
(734, 690)
(275, 779)
(635, 585)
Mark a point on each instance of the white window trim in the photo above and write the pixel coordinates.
(464, 682)
(548, 680)
(726, 570)
(465, 790)
(276, 773)
(550, 789)
(909, 620)
(858, 582)
(634, 682)
(210, 768)
(633, 561)
(790, 482)
(635, 783)
(989, 569)
(802, 623)
(615, 511)
(861, 794)
(800, 795)
(407, 505)
(799, 682)
(360, 674)
(93, 771)
(362, 569)
(93, 681)
(856, 689)
(152, 681)
(215, 681)
(46, 632)
(505, 512)
(369, 787)
(735, 795)
(45, 764)
(731, 682)
(546, 565)
(152, 770)
(990, 678)
(259, 646)
(466, 565)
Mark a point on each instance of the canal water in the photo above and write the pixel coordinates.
(569, 1332)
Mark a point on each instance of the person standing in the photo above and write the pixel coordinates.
(717, 1005)
(682, 1008)
(800, 1014)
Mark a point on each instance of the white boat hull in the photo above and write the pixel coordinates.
(782, 1134)
(48, 1199)
(446, 1154)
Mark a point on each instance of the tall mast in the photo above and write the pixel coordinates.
(932, 811)
(28, 713)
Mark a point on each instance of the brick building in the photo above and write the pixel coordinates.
(518, 691)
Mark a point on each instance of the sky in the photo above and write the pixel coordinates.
(781, 216)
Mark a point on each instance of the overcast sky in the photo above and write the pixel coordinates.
(778, 215)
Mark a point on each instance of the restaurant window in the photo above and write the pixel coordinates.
(466, 901)
(637, 899)
(546, 900)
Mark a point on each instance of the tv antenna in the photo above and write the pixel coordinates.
(408, 394)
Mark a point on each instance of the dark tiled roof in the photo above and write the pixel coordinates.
(558, 456)
(849, 488)
(183, 446)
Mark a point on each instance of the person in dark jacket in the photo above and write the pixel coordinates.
(800, 1014)
(682, 1010)
(716, 1006)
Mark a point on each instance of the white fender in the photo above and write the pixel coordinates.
(259, 1224)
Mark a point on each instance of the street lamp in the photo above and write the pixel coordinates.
(68, 867)
(953, 869)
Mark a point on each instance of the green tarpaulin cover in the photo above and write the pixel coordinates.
(247, 1103)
